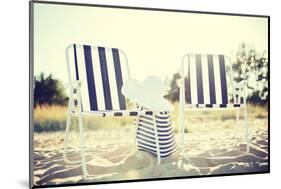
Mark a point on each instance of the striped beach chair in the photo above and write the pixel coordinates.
(209, 85)
(96, 76)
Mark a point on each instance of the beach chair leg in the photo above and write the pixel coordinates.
(82, 147)
(156, 140)
(246, 128)
(137, 125)
(237, 122)
(181, 118)
(182, 137)
(237, 116)
(67, 128)
(68, 122)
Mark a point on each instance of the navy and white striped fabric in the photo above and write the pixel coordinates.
(207, 82)
(100, 71)
(146, 134)
(120, 113)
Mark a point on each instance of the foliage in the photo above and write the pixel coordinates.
(173, 93)
(252, 66)
(48, 90)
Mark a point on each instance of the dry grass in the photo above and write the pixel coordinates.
(204, 119)
(46, 113)
(52, 118)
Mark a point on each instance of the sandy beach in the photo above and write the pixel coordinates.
(210, 149)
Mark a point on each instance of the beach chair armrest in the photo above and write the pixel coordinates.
(73, 84)
(242, 84)
(240, 92)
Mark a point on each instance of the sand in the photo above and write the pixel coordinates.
(112, 155)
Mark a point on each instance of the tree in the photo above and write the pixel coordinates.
(48, 91)
(252, 66)
(173, 92)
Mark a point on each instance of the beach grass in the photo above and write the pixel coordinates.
(53, 118)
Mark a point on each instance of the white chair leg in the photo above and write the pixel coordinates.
(237, 122)
(82, 146)
(182, 137)
(156, 140)
(67, 128)
(181, 119)
(137, 125)
(68, 122)
(246, 128)
(237, 117)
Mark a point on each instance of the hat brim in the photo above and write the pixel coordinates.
(156, 104)
(148, 93)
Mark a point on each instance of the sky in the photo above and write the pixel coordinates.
(153, 41)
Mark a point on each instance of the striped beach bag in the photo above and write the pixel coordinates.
(155, 139)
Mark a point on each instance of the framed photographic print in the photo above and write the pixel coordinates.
(121, 94)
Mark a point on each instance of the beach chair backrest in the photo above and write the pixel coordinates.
(101, 71)
(206, 81)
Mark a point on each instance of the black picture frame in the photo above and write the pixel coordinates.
(31, 86)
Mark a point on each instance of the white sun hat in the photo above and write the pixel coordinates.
(148, 93)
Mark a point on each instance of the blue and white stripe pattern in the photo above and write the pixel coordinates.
(207, 82)
(100, 71)
(146, 134)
